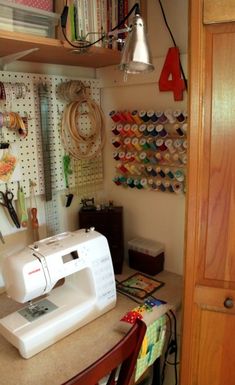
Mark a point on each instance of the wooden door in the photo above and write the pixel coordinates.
(208, 348)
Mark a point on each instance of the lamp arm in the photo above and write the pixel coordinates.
(63, 22)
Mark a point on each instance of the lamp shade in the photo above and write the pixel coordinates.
(136, 56)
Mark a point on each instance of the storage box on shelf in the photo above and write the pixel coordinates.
(22, 18)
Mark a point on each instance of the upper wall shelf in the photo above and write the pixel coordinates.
(55, 51)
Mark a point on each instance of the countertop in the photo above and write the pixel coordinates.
(73, 353)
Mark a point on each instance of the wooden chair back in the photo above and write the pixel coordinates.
(118, 363)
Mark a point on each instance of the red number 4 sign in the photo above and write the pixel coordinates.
(170, 78)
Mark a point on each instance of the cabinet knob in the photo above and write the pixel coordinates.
(228, 303)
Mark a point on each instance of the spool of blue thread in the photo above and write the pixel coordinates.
(143, 116)
(152, 116)
(143, 129)
(151, 130)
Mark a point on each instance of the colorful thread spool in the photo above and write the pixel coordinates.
(115, 131)
(167, 157)
(185, 144)
(179, 175)
(135, 143)
(179, 116)
(116, 180)
(161, 145)
(152, 116)
(178, 144)
(149, 170)
(160, 172)
(114, 116)
(152, 184)
(161, 130)
(144, 116)
(116, 142)
(143, 157)
(175, 157)
(127, 130)
(158, 156)
(135, 130)
(169, 173)
(130, 182)
(136, 117)
(178, 129)
(138, 184)
(144, 182)
(144, 144)
(128, 117)
(122, 168)
(177, 187)
(128, 144)
(152, 159)
(183, 159)
(122, 155)
(135, 170)
(169, 145)
(151, 130)
(129, 157)
(161, 117)
(116, 155)
(169, 114)
(151, 144)
(143, 129)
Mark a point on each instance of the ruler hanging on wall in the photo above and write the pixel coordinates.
(51, 207)
(45, 135)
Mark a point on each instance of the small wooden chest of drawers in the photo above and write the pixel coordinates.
(108, 222)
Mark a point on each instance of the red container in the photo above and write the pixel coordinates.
(46, 5)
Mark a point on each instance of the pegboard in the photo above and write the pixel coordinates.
(30, 148)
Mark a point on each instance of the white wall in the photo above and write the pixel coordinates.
(154, 215)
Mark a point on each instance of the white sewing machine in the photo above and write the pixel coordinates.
(83, 259)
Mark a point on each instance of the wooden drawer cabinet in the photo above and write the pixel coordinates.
(108, 222)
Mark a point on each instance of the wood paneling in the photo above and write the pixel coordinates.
(216, 349)
(208, 350)
(55, 51)
(216, 11)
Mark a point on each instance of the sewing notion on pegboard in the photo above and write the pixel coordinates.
(32, 138)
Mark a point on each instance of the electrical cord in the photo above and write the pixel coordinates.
(171, 347)
(63, 22)
(174, 42)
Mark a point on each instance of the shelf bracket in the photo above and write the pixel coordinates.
(15, 56)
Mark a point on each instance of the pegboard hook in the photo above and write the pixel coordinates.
(15, 56)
